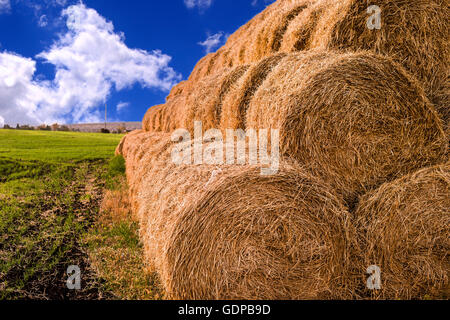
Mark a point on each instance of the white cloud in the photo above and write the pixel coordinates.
(19, 95)
(201, 4)
(90, 60)
(213, 41)
(43, 10)
(61, 3)
(43, 21)
(5, 6)
(122, 105)
(2, 122)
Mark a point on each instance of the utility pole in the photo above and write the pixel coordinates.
(106, 114)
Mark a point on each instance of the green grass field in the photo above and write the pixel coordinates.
(56, 147)
(51, 188)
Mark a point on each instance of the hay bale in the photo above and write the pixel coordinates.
(152, 119)
(135, 149)
(131, 144)
(177, 90)
(141, 150)
(232, 78)
(236, 103)
(357, 120)
(187, 104)
(173, 114)
(299, 33)
(254, 237)
(229, 116)
(268, 106)
(264, 37)
(224, 60)
(200, 69)
(205, 102)
(120, 148)
(228, 232)
(404, 229)
(414, 33)
(167, 117)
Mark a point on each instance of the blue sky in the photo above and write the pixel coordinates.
(62, 60)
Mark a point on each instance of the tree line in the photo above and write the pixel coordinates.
(57, 127)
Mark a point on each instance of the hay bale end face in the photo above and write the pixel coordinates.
(414, 33)
(356, 119)
(167, 117)
(120, 148)
(405, 231)
(252, 237)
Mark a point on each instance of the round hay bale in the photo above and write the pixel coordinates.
(228, 232)
(233, 77)
(205, 102)
(127, 141)
(235, 105)
(200, 69)
(264, 37)
(202, 102)
(299, 33)
(119, 148)
(268, 105)
(177, 90)
(404, 229)
(142, 150)
(357, 120)
(229, 118)
(173, 114)
(167, 117)
(152, 119)
(132, 151)
(414, 33)
(224, 60)
(255, 237)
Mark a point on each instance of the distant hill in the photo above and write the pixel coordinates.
(111, 126)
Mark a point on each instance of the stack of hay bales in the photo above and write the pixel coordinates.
(355, 119)
(239, 234)
(362, 116)
(414, 33)
(202, 102)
